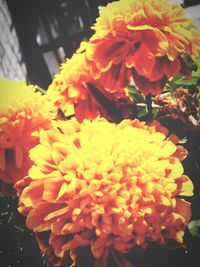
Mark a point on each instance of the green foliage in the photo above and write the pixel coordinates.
(190, 63)
(194, 228)
(135, 94)
(142, 110)
(192, 84)
(140, 103)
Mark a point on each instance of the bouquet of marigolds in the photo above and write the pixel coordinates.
(99, 163)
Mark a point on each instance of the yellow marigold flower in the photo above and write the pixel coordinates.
(107, 186)
(147, 38)
(23, 112)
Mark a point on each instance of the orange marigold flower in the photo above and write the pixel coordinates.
(72, 86)
(106, 186)
(149, 37)
(23, 112)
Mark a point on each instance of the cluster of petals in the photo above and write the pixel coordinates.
(23, 112)
(70, 84)
(143, 39)
(71, 87)
(106, 186)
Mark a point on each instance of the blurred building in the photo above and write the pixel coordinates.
(47, 32)
(12, 65)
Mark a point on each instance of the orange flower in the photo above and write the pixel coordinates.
(106, 186)
(72, 86)
(148, 37)
(22, 114)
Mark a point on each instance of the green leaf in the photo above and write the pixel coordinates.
(155, 111)
(142, 110)
(136, 94)
(184, 82)
(190, 83)
(171, 86)
(196, 74)
(193, 227)
(190, 63)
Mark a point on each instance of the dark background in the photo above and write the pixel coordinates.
(49, 31)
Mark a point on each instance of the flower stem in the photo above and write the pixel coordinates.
(149, 105)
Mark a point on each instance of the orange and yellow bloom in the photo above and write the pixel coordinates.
(145, 39)
(143, 42)
(72, 87)
(100, 181)
(23, 112)
(106, 186)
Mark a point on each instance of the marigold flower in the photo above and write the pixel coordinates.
(107, 186)
(148, 37)
(71, 87)
(70, 84)
(23, 112)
